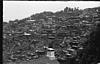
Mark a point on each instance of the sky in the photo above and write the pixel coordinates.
(21, 9)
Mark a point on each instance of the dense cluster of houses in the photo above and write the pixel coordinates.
(65, 31)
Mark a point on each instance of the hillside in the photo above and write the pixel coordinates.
(71, 32)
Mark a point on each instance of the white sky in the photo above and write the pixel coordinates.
(20, 9)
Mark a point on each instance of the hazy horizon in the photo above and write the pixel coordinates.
(21, 9)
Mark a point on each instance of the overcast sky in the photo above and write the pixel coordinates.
(20, 9)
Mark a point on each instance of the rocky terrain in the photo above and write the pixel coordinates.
(72, 33)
